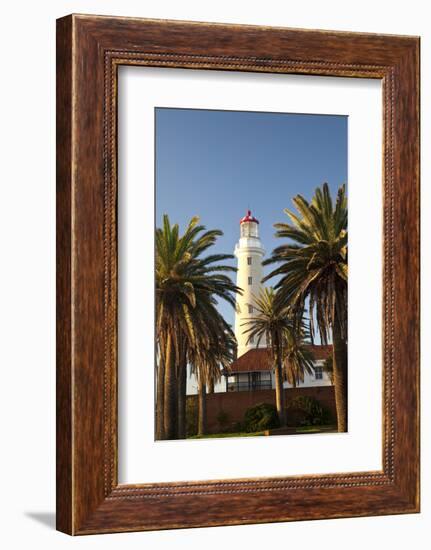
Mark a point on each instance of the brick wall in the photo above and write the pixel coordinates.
(234, 404)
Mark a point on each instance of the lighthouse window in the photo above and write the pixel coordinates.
(248, 260)
(250, 308)
(250, 280)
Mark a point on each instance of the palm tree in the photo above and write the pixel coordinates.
(285, 342)
(211, 351)
(208, 362)
(182, 389)
(187, 287)
(328, 368)
(298, 358)
(313, 267)
(160, 383)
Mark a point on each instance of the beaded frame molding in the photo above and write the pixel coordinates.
(89, 51)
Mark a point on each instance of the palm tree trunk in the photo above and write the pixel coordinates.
(160, 399)
(340, 375)
(279, 390)
(202, 409)
(182, 396)
(279, 394)
(170, 401)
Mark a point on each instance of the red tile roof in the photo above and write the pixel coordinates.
(259, 359)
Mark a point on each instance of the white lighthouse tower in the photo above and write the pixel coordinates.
(249, 251)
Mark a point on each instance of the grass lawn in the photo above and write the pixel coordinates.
(299, 430)
(234, 434)
(315, 429)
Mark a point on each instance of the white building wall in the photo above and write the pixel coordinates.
(310, 380)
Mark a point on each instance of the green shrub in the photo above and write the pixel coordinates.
(314, 413)
(261, 417)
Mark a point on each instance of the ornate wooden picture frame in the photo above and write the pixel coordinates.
(89, 51)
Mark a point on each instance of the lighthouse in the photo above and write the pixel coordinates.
(249, 253)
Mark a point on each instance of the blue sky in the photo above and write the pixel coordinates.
(217, 164)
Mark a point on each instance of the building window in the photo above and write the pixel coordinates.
(318, 373)
(250, 308)
(250, 281)
(248, 260)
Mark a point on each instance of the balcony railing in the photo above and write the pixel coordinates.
(249, 386)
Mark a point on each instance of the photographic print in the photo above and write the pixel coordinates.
(251, 273)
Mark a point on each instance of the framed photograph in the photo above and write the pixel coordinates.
(237, 274)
